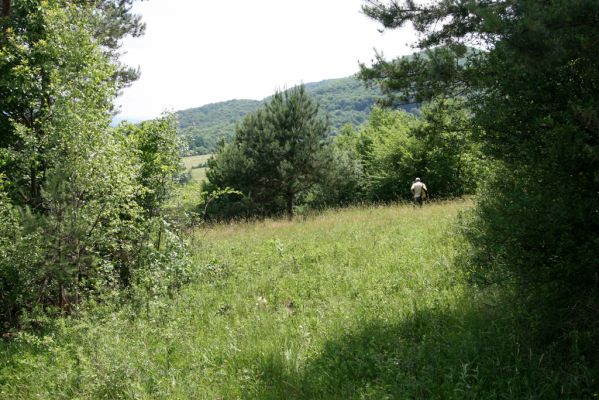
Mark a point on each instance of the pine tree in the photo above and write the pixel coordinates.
(276, 154)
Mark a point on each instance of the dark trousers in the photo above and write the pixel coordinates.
(418, 200)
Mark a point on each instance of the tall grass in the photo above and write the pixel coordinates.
(360, 303)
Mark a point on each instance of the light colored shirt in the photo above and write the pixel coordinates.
(417, 188)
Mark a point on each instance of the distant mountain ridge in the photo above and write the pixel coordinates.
(345, 100)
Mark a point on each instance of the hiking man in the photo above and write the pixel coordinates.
(418, 191)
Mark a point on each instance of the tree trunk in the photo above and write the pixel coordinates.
(5, 8)
(289, 205)
(159, 240)
(34, 189)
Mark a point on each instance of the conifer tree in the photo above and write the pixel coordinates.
(276, 154)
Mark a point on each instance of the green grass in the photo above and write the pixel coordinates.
(360, 303)
(191, 162)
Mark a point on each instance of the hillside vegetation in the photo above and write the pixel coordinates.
(362, 303)
(345, 101)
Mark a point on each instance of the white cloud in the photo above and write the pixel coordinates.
(199, 51)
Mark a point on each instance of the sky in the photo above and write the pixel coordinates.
(197, 52)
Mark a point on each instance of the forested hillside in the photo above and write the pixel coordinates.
(345, 100)
(204, 126)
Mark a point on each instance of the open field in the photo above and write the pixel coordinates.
(190, 162)
(360, 303)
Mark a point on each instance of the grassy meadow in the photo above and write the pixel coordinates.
(191, 164)
(359, 303)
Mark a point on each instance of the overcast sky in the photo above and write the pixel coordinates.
(197, 52)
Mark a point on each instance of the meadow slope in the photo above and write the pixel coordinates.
(360, 303)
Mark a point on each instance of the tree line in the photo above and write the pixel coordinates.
(344, 100)
(283, 158)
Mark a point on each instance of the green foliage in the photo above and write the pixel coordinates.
(79, 206)
(28, 59)
(155, 146)
(387, 150)
(113, 21)
(420, 76)
(53, 72)
(534, 99)
(394, 147)
(449, 157)
(277, 153)
(188, 208)
(203, 128)
(344, 101)
(339, 183)
(378, 162)
(59, 162)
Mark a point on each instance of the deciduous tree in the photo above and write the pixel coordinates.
(30, 61)
(79, 201)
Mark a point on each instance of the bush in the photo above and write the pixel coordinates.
(394, 147)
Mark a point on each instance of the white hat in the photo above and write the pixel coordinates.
(417, 179)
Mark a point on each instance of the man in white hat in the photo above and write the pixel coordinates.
(418, 190)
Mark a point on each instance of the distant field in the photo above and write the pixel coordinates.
(197, 174)
(359, 303)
